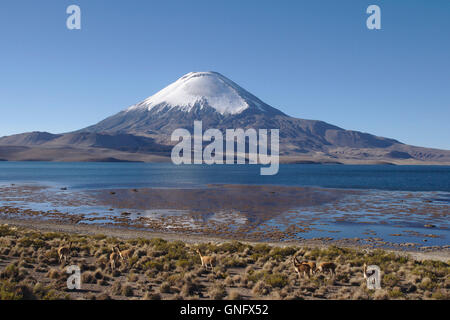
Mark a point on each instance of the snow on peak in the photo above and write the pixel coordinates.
(217, 91)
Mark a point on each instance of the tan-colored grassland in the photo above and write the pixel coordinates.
(339, 155)
(171, 269)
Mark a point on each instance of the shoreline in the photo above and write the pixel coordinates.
(442, 254)
(155, 159)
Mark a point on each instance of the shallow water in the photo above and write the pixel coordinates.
(390, 216)
(380, 204)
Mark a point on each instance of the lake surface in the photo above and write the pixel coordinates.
(377, 203)
(137, 175)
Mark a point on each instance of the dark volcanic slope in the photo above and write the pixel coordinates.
(308, 134)
(120, 142)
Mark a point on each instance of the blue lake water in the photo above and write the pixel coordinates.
(396, 204)
(134, 175)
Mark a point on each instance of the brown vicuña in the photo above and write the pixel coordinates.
(206, 260)
(125, 255)
(301, 267)
(114, 258)
(312, 266)
(327, 267)
(64, 252)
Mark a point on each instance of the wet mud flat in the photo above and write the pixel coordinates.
(417, 220)
(251, 205)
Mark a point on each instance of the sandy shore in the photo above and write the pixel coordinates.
(82, 229)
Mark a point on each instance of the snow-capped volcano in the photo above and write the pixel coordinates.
(202, 89)
(143, 131)
(206, 96)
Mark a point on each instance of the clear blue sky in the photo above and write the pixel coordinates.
(311, 59)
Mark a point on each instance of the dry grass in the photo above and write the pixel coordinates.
(29, 269)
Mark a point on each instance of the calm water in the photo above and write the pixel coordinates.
(398, 203)
(127, 175)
